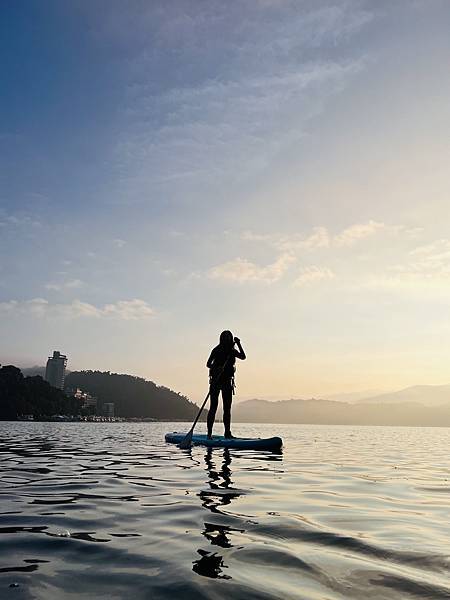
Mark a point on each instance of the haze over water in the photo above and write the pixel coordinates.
(112, 511)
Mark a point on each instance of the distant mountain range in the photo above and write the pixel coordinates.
(428, 395)
(352, 396)
(329, 412)
(32, 371)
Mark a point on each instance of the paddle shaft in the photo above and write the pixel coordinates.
(201, 410)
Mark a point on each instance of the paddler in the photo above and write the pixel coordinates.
(221, 365)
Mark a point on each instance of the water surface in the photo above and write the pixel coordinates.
(108, 510)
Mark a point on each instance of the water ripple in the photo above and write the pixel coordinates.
(108, 510)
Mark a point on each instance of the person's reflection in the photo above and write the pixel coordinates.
(219, 481)
(211, 564)
(221, 493)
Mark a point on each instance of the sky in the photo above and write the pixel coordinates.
(277, 168)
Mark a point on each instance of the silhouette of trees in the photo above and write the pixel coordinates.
(21, 395)
(133, 396)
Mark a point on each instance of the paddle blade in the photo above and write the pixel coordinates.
(186, 443)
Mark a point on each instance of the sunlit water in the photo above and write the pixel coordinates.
(111, 511)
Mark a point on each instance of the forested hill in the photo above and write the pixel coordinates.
(133, 396)
(21, 395)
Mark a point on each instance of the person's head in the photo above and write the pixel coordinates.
(226, 338)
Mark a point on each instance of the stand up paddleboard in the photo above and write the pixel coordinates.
(218, 441)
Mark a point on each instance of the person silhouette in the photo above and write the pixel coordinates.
(221, 365)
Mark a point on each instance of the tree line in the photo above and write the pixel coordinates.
(132, 396)
(21, 395)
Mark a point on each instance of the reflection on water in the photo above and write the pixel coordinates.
(220, 492)
(210, 565)
(108, 510)
(219, 479)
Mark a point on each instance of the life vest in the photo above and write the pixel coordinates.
(223, 367)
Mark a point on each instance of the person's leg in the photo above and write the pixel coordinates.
(227, 397)
(213, 402)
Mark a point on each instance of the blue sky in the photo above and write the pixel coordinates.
(278, 168)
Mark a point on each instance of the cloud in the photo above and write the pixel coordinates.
(426, 267)
(231, 103)
(216, 128)
(119, 243)
(18, 220)
(36, 307)
(242, 270)
(320, 237)
(408, 232)
(313, 274)
(427, 262)
(357, 232)
(251, 236)
(437, 249)
(127, 310)
(67, 285)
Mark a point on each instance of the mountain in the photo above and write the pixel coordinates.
(33, 371)
(330, 412)
(133, 396)
(353, 396)
(428, 395)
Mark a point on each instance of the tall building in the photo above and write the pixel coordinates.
(55, 371)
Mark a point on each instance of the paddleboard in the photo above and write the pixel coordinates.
(218, 441)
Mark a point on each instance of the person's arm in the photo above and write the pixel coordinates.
(240, 351)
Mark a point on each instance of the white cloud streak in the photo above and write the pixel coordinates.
(313, 274)
(127, 310)
(427, 262)
(217, 128)
(357, 232)
(18, 220)
(264, 88)
(242, 270)
(66, 285)
(319, 237)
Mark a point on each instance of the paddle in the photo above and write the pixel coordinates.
(187, 441)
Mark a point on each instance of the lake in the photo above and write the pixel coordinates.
(109, 510)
